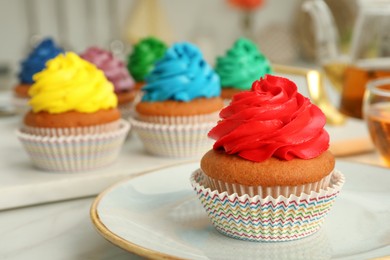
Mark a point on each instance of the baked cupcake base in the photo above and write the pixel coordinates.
(273, 176)
(74, 153)
(227, 93)
(172, 108)
(257, 218)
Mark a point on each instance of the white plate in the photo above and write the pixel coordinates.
(157, 215)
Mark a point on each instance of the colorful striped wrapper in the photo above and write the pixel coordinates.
(257, 218)
(74, 153)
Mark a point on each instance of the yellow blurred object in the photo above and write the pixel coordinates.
(317, 91)
(335, 72)
(148, 19)
(381, 258)
(354, 146)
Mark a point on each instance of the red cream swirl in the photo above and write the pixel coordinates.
(271, 120)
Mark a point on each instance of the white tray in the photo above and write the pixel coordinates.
(22, 184)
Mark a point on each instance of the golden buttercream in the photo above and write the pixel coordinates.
(70, 83)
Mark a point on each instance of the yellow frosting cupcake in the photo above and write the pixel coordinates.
(74, 123)
(71, 92)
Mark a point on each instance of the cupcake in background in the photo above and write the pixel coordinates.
(180, 103)
(74, 123)
(34, 63)
(143, 57)
(270, 175)
(117, 73)
(240, 67)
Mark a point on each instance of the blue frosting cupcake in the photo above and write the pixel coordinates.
(34, 63)
(180, 104)
(36, 60)
(181, 75)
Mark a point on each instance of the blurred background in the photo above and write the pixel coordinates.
(326, 34)
(282, 29)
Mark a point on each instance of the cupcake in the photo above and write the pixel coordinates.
(143, 57)
(242, 64)
(270, 175)
(34, 63)
(180, 102)
(74, 123)
(117, 73)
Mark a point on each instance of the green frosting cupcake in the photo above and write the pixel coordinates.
(242, 65)
(145, 54)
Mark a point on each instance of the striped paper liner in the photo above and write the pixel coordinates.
(180, 120)
(20, 104)
(74, 153)
(71, 131)
(127, 110)
(177, 141)
(257, 218)
(274, 191)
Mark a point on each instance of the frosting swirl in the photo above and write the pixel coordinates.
(181, 75)
(272, 119)
(36, 60)
(144, 56)
(242, 65)
(71, 83)
(113, 68)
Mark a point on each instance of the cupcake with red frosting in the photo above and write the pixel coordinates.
(270, 175)
(117, 73)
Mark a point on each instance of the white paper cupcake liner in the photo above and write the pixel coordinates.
(274, 191)
(20, 104)
(180, 120)
(177, 141)
(72, 131)
(74, 153)
(258, 218)
(127, 110)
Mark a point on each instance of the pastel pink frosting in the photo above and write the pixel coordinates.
(271, 120)
(113, 68)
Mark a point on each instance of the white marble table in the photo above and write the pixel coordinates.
(63, 230)
(59, 231)
(22, 184)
